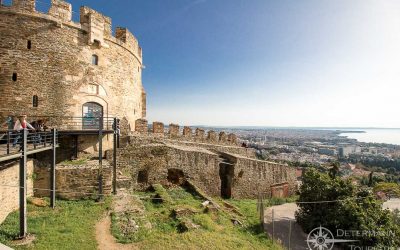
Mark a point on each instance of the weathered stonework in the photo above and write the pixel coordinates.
(9, 182)
(173, 130)
(141, 126)
(200, 134)
(222, 138)
(158, 129)
(212, 136)
(187, 132)
(232, 139)
(150, 161)
(48, 55)
(74, 182)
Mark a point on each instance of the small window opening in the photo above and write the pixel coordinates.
(29, 44)
(176, 176)
(95, 60)
(143, 176)
(35, 101)
(14, 77)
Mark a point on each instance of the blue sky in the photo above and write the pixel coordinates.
(266, 63)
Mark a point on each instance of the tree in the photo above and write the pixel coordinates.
(356, 210)
(371, 181)
(334, 170)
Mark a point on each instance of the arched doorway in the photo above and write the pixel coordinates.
(92, 114)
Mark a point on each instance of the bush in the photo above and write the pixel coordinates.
(359, 211)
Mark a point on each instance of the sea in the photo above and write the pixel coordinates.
(375, 135)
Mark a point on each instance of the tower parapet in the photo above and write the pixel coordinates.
(89, 66)
(61, 10)
(23, 5)
(96, 24)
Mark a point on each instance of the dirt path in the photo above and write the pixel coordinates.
(284, 221)
(104, 238)
(392, 204)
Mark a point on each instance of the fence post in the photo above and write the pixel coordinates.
(100, 158)
(8, 142)
(273, 225)
(22, 185)
(290, 232)
(115, 141)
(53, 170)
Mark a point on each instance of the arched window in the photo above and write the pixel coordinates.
(35, 101)
(92, 114)
(14, 77)
(29, 44)
(95, 60)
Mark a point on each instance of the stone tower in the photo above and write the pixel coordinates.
(52, 66)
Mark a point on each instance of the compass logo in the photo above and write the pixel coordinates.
(321, 238)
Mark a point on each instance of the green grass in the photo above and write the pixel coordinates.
(216, 229)
(75, 162)
(71, 225)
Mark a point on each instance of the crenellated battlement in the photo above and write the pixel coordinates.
(186, 134)
(97, 26)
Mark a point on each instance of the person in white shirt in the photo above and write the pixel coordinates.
(19, 125)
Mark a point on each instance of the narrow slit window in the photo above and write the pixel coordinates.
(95, 60)
(29, 44)
(14, 77)
(35, 101)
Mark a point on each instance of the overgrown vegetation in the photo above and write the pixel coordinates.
(76, 162)
(71, 225)
(357, 210)
(185, 223)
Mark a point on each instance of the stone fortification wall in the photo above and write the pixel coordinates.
(67, 64)
(246, 152)
(199, 135)
(149, 160)
(253, 176)
(149, 163)
(9, 183)
(75, 181)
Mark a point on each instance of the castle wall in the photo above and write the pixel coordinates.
(57, 67)
(9, 191)
(252, 177)
(148, 160)
(149, 163)
(73, 181)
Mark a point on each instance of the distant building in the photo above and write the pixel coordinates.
(347, 150)
(327, 151)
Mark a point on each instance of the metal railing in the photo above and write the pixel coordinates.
(75, 123)
(12, 141)
(63, 123)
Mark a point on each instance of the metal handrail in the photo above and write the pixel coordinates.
(11, 142)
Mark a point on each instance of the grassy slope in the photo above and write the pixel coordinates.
(216, 232)
(69, 226)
